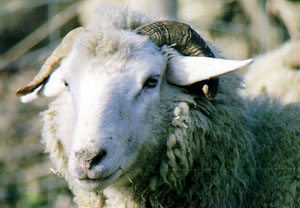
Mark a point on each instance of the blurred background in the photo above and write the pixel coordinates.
(31, 29)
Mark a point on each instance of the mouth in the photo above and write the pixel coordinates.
(99, 183)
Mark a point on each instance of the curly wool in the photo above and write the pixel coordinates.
(242, 149)
(208, 161)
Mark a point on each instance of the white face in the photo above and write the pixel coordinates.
(107, 118)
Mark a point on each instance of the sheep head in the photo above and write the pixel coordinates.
(114, 88)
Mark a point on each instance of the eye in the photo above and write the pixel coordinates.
(66, 83)
(151, 82)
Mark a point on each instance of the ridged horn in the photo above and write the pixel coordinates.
(180, 35)
(186, 41)
(53, 60)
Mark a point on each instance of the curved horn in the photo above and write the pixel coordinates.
(186, 41)
(178, 35)
(57, 55)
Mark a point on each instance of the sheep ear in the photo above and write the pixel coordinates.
(187, 70)
(52, 87)
(45, 75)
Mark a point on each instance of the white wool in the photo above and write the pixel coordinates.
(276, 73)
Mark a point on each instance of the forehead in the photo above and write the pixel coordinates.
(116, 51)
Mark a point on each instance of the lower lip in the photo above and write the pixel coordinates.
(100, 183)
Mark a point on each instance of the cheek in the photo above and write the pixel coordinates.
(67, 117)
(136, 133)
(147, 128)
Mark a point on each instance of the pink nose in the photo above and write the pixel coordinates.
(88, 160)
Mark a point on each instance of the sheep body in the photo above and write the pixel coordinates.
(229, 151)
(276, 74)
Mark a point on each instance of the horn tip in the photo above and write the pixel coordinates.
(248, 61)
(24, 91)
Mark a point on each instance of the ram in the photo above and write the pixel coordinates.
(147, 115)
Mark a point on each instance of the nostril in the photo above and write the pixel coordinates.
(96, 160)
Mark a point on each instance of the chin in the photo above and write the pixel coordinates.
(100, 183)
